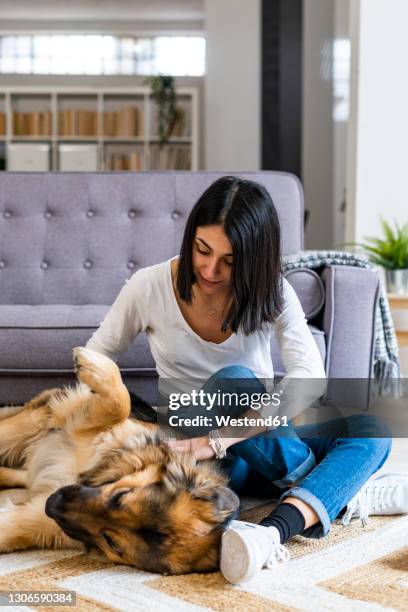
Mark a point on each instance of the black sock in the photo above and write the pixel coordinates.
(287, 519)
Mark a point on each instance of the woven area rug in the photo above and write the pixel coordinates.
(354, 568)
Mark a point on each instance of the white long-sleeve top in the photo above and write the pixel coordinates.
(147, 303)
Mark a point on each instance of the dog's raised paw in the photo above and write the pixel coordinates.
(94, 369)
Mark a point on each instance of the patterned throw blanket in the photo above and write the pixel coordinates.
(386, 360)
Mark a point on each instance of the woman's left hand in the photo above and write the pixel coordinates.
(199, 447)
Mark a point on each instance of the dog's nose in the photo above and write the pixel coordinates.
(69, 493)
(57, 502)
(53, 505)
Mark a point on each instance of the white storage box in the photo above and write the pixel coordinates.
(27, 157)
(78, 158)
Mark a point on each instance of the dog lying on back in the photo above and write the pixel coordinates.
(94, 476)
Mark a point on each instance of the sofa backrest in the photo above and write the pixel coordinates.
(73, 238)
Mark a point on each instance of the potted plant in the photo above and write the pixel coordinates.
(168, 113)
(391, 252)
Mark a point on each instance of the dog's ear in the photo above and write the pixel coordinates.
(224, 500)
(205, 483)
(179, 473)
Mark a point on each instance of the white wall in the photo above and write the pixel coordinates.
(317, 132)
(233, 111)
(378, 128)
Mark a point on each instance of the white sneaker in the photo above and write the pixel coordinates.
(386, 494)
(246, 548)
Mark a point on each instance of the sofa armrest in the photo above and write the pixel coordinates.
(349, 320)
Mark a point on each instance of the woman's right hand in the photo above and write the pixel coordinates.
(199, 447)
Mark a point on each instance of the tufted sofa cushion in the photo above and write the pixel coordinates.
(74, 238)
(40, 339)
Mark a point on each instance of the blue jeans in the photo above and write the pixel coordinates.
(325, 471)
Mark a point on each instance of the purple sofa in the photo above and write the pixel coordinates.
(68, 241)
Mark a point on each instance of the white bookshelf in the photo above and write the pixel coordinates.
(68, 116)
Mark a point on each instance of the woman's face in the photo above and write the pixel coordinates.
(212, 259)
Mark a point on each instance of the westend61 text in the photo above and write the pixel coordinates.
(228, 421)
(206, 400)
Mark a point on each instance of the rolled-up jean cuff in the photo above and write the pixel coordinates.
(298, 473)
(320, 529)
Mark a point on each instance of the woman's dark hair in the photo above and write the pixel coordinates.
(248, 216)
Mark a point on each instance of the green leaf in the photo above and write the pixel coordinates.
(391, 251)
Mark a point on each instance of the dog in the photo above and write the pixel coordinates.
(97, 479)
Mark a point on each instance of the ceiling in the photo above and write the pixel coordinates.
(102, 10)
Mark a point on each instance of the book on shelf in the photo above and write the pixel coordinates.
(132, 161)
(76, 122)
(36, 123)
(127, 122)
(180, 127)
(170, 157)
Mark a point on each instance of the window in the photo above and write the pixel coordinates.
(101, 54)
(341, 78)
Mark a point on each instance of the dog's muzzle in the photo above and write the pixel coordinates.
(61, 502)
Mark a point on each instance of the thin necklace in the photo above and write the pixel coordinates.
(213, 311)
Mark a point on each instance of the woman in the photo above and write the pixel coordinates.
(209, 315)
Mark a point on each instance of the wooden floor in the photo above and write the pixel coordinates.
(398, 459)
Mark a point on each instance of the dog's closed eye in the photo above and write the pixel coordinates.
(115, 500)
(112, 545)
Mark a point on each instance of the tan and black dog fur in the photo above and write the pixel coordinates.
(92, 475)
